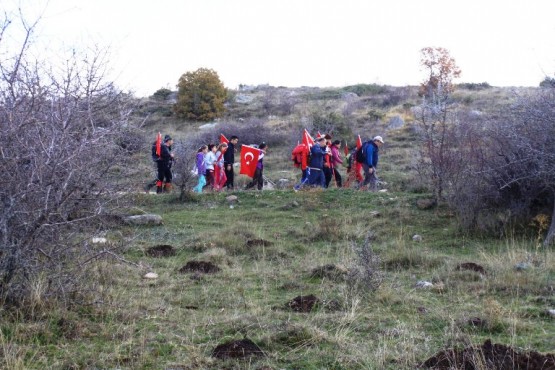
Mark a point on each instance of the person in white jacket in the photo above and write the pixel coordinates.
(209, 162)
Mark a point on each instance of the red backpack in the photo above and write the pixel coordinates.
(299, 156)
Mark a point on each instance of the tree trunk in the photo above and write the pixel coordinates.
(550, 237)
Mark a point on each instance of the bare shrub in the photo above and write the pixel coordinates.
(365, 275)
(184, 179)
(509, 174)
(62, 162)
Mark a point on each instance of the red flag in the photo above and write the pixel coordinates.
(346, 149)
(359, 142)
(159, 144)
(249, 159)
(223, 139)
(219, 178)
(307, 139)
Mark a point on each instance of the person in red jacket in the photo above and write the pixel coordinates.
(300, 157)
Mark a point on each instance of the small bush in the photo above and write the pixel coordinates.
(365, 275)
(161, 94)
(366, 89)
(548, 82)
(375, 115)
(474, 86)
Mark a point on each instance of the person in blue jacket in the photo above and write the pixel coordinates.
(371, 151)
(315, 170)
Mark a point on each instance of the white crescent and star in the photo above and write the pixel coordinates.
(248, 161)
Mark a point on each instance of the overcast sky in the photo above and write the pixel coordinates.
(306, 42)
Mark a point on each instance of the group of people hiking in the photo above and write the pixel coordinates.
(214, 166)
(319, 159)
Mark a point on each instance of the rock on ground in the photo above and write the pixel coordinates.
(148, 219)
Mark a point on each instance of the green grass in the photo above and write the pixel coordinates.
(178, 320)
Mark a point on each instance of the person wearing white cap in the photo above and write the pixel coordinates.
(371, 152)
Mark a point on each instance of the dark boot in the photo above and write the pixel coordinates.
(159, 187)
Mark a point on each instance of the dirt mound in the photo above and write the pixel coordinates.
(162, 250)
(237, 349)
(472, 267)
(258, 243)
(200, 266)
(303, 303)
(489, 356)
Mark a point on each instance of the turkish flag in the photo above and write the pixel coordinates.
(249, 159)
(359, 142)
(346, 149)
(223, 139)
(307, 139)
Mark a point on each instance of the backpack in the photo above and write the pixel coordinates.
(349, 161)
(360, 154)
(300, 156)
(154, 156)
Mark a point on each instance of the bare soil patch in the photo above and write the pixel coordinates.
(303, 303)
(162, 250)
(200, 266)
(237, 349)
(471, 266)
(489, 356)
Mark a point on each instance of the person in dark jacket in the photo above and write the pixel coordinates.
(315, 168)
(328, 173)
(164, 166)
(153, 183)
(229, 160)
(371, 150)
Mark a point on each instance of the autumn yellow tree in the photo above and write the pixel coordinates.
(441, 70)
(200, 96)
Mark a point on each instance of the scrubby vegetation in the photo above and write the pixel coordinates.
(456, 251)
(323, 279)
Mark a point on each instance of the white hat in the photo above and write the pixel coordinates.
(378, 138)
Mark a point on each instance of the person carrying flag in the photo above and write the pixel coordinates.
(327, 169)
(220, 178)
(164, 164)
(155, 156)
(354, 170)
(258, 178)
(336, 161)
(315, 169)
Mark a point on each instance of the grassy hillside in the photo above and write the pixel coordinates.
(234, 270)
